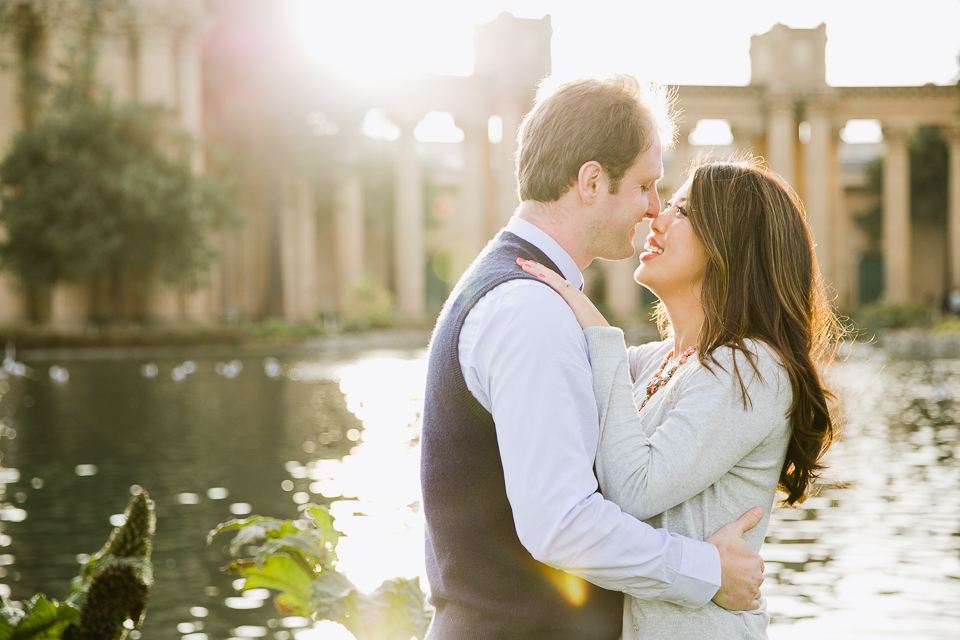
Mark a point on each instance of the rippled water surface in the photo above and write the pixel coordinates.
(875, 555)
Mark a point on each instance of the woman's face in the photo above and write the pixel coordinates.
(672, 263)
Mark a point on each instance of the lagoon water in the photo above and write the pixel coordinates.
(875, 555)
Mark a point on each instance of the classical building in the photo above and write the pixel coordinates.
(347, 197)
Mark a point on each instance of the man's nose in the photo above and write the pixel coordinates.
(653, 204)
(653, 208)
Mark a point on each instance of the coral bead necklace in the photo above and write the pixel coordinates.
(660, 380)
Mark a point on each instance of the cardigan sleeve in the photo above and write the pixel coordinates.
(705, 433)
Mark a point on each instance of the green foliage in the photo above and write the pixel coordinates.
(117, 593)
(368, 305)
(928, 175)
(870, 220)
(298, 559)
(104, 189)
(895, 316)
(128, 545)
(928, 184)
(135, 537)
(111, 588)
(41, 619)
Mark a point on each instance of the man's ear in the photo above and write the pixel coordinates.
(589, 181)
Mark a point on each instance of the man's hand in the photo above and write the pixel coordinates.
(741, 568)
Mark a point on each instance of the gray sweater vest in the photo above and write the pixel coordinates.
(484, 583)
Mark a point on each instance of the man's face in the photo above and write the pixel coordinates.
(615, 223)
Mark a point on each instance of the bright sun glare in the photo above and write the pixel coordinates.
(375, 40)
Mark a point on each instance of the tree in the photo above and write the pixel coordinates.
(95, 190)
(99, 189)
(928, 184)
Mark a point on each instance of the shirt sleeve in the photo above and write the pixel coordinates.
(528, 365)
(707, 430)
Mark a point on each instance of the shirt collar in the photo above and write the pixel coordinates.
(538, 237)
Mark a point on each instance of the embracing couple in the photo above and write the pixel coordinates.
(577, 489)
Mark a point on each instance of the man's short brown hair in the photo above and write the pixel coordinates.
(609, 121)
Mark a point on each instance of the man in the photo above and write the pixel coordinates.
(519, 542)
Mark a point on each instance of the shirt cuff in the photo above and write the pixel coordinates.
(699, 577)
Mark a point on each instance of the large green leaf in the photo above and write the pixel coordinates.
(280, 573)
(306, 546)
(395, 611)
(44, 620)
(323, 521)
(333, 597)
(6, 629)
(264, 525)
(298, 559)
(293, 605)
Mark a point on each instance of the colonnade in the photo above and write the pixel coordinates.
(768, 124)
(282, 255)
(160, 64)
(487, 198)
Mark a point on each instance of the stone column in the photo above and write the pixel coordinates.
(845, 259)
(10, 114)
(190, 89)
(782, 137)
(746, 140)
(623, 293)
(299, 254)
(953, 208)
(470, 221)
(12, 306)
(896, 217)
(820, 172)
(348, 223)
(156, 70)
(156, 83)
(200, 304)
(115, 65)
(69, 304)
(511, 114)
(678, 166)
(408, 226)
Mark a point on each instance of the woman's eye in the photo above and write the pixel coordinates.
(682, 211)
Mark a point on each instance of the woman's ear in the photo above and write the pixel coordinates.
(589, 181)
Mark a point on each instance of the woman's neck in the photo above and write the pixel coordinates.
(686, 319)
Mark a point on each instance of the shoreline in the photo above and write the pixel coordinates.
(195, 346)
(172, 342)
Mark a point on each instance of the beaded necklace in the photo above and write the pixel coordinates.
(659, 380)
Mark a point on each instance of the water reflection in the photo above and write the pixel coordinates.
(875, 554)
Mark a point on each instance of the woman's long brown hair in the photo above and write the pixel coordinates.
(762, 282)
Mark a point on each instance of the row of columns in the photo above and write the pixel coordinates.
(824, 198)
(822, 193)
(478, 195)
(897, 245)
(162, 67)
(819, 181)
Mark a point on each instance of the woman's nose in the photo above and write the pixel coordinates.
(656, 222)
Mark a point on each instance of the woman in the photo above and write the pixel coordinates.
(731, 405)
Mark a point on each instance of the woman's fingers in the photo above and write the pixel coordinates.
(547, 275)
(587, 314)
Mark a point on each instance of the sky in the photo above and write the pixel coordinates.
(869, 43)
